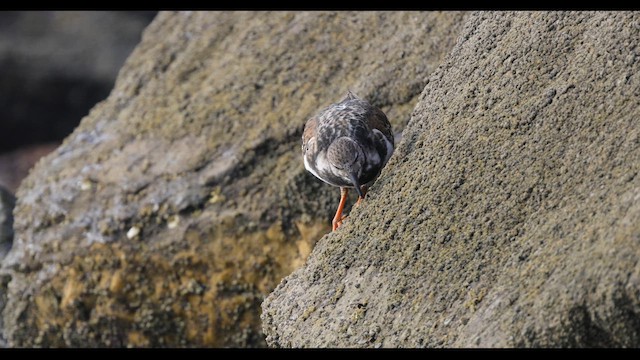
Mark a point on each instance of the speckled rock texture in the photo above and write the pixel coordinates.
(509, 215)
(181, 201)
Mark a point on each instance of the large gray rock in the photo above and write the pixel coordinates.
(509, 214)
(181, 201)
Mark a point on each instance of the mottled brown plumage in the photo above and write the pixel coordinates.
(347, 144)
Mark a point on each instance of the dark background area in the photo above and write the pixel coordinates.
(54, 67)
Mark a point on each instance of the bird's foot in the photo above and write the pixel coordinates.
(337, 222)
(364, 189)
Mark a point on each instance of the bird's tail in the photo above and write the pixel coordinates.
(351, 95)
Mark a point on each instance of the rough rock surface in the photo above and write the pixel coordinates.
(181, 201)
(509, 214)
(56, 65)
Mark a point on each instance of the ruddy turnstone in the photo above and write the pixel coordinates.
(347, 144)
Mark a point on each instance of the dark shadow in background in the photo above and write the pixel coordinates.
(54, 67)
(43, 110)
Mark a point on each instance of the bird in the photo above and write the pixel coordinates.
(346, 144)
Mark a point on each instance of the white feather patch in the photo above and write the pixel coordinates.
(309, 168)
(387, 143)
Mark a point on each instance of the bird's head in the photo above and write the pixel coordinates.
(347, 159)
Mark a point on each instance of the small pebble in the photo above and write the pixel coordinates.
(133, 232)
(85, 185)
(173, 222)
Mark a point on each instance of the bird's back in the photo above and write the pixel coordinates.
(357, 120)
(351, 117)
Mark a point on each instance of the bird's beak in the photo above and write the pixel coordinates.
(356, 184)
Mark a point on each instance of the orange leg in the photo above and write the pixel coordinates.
(337, 220)
(364, 189)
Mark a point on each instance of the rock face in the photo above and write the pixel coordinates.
(181, 201)
(56, 65)
(509, 214)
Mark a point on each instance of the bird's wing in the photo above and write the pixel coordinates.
(309, 130)
(378, 120)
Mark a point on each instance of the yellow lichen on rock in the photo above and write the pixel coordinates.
(201, 301)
